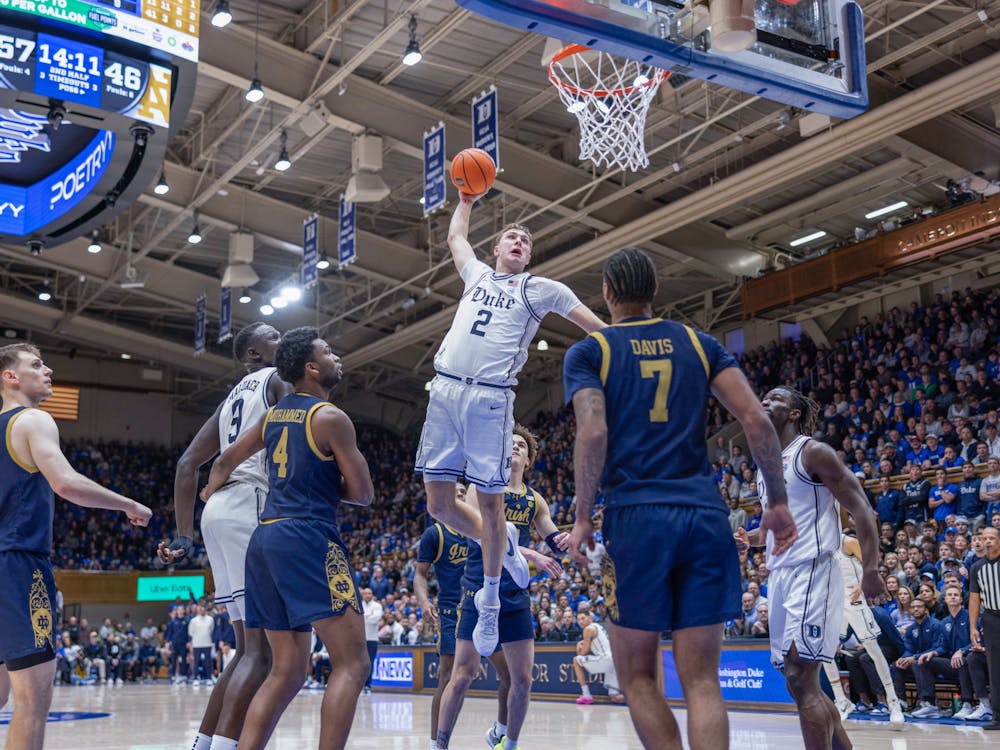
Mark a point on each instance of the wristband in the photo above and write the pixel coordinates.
(551, 541)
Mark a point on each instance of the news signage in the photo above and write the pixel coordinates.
(170, 26)
(69, 70)
(745, 675)
(393, 669)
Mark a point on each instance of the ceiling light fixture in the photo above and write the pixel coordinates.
(323, 263)
(256, 92)
(278, 302)
(807, 238)
(245, 297)
(162, 186)
(222, 16)
(44, 294)
(886, 210)
(543, 345)
(95, 243)
(195, 237)
(412, 55)
(283, 163)
(266, 309)
(291, 293)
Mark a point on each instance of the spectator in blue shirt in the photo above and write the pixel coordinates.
(935, 451)
(942, 496)
(380, 585)
(948, 659)
(921, 641)
(968, 504)
(917, 453)
(951, 459)
(888, 503)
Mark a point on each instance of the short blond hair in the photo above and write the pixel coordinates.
(519, 228)
(9, 353)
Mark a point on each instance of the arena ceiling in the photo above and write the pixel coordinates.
(748, 184)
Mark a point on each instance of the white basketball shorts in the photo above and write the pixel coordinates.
(805, 607)
(593, 664)
(860, 619)
(469, 430)
(228, 520)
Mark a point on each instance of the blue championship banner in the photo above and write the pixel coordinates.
(310, 250)
(485, 125)
(393, 669)
(347, 248)
(552, 673)
(199, 325)
(745, 675)
(226, 314)
(435, 191)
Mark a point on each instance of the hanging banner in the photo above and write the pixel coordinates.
(310, 250)
(226, 314)
(485, 125)
(346, 234)
(199, 325)
(434, 177)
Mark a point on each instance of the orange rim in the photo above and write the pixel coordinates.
(576, 49)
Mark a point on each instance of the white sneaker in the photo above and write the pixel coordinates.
(492, 738)
(982, 712)
(513, 561)
(485, 635)
(963, 712)
(927, 710)
(896, 717)
(845, 708)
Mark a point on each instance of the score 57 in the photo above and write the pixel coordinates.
(15, 46)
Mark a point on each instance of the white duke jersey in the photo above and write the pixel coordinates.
(813, 508)
(850, 569)
(599, 644)
(242, 409)
(496, 320)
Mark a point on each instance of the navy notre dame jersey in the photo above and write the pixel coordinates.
(304, 483)
(447, 551)
(520, 510)
(655, 375)
(26, 499)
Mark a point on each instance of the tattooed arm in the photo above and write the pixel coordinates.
(589, 454)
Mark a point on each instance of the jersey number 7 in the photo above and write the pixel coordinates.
(663, 371)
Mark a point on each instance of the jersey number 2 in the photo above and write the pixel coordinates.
(280, 455)
(663, 371)
(483, 318)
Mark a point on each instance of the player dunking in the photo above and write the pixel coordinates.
(858, 615)
(524, 508)
(805, 589)
(297, 570)
(639, 390)
(226, 525)
(471, 411)
(32, 468)
(447, 552)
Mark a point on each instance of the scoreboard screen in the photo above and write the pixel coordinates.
(74, 71)
(167, 25)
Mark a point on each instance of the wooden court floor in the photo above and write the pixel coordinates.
(164, 717)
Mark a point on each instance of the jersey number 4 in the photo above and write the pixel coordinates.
(663, 371)
(280, 455)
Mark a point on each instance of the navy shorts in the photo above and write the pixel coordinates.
(27, 627)
(297, 573)
(447, 624)
(513, 625)
(669, 567)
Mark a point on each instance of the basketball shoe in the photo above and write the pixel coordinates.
(486, 634)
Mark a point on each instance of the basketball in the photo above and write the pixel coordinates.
(473, 171)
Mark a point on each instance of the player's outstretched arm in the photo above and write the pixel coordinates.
(584, 317)
(334, 430)
(589, 455)
(733, 390)
(458, 231)
(819, 460)
(247, 444)
(200, 451)
(421, 574)
(42, 437)
(558, 541)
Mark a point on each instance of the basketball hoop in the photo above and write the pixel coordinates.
(610, 97)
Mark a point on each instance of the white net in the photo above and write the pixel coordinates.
(610, 97)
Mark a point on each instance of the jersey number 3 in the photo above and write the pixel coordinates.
(280, 455)
(663, 371)
(483, 318)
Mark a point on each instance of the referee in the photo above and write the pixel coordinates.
(985, 589)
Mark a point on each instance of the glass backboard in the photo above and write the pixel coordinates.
(809, 55)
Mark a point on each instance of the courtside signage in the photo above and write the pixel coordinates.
(393, 669)
(168, 588)
(744, 675)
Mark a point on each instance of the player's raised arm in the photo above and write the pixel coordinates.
(43, 444)
(733, 390)
(458, 231)
(335, 430)
(820, 460)
(246, 445)
(584, 317)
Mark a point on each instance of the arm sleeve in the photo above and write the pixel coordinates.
(427, 551)
(581, 367)
(546, 295)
